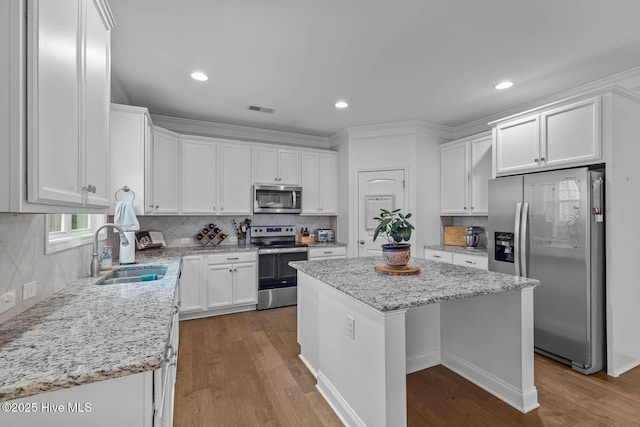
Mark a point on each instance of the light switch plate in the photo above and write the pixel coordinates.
(29, 290)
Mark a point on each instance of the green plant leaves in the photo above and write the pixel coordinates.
(394, 225)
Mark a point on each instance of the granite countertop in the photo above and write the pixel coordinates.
(460, 250)
(87, 332)
(437, 282)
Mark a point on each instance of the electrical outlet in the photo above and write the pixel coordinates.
(29, 290)
(7, 300)
(351, 327)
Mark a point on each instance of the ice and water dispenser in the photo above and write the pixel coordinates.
(504, 246)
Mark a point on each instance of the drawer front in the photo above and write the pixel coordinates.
(232, 257)
(439, 256)
(333, 252)
(478, 262)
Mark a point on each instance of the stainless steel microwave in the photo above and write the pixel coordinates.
(277, 199)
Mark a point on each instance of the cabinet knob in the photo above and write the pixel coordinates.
(542, 159)
(472, 208)
(362, 242)
(221, 208)
(157, 206)
(535, 160)
(465, 208)
(231, 270)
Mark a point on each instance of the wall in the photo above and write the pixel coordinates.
(22, 260)
(413, 146)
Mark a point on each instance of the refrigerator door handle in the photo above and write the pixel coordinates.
(523, 239)
(516, 239)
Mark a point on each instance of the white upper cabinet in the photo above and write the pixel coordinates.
(165, 171)
(518, 145)
(68, 87)
(569, 135)
(199, 177)
(454, 178)
(97, 83)
(274, 165)
(319, 183)
(479, 175)
(235, 179)
(465, 169)
(129, 158)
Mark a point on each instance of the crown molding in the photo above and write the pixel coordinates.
(413, 127)
(606, 83)
(241, 133)
(105, 13)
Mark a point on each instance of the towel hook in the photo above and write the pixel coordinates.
(126, 189)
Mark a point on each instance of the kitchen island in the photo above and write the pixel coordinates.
(361, 332)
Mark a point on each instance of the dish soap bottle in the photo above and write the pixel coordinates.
(106, 259)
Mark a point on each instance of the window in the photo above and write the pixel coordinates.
(65, 231)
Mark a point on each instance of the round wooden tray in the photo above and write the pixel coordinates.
(409, 270)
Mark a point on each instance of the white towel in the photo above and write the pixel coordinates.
(125, 216)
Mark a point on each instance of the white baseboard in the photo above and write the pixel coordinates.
(308, 365)
(217, 311)
(340, 406)
(524, 401)
(424, 361)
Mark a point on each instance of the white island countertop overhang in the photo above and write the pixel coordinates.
(361, 332)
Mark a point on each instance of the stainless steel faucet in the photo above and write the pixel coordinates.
(95, 257)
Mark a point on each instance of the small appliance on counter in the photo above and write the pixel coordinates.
(149, 240)
(471, 239)
(323, 235)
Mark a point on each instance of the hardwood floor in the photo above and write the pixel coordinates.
(243, 370)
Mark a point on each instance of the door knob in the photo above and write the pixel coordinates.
(362, 242)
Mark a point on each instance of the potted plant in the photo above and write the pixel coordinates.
(395, 226)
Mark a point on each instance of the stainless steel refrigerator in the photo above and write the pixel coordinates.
(549, 226)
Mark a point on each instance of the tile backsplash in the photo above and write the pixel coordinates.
(22, 260)
(177, 228)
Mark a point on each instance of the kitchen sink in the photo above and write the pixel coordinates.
(133, 275)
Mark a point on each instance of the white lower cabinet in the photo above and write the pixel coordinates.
(329, 252)
(472, 261)
(218, 284)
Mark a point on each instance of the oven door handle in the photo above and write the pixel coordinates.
(266, 251)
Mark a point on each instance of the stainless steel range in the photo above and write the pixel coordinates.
(277, 281)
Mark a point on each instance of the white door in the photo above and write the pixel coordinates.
(235, 179)
(377, 189)
(199, 186)
(311, 183)
(454, 179)
(191, 284)
(289, 167)
(480, 175)
(219, 285)
(54, 144)
(96, 107)
(246, 283)
(166, 157)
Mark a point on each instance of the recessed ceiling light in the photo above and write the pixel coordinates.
(504, 85)
(341, 104)
(201, 77)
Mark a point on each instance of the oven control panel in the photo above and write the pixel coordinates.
(273, 231)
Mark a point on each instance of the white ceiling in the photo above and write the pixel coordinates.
(392, 60)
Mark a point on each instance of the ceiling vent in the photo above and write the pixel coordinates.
(262, 109)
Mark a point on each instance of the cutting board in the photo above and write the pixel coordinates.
(454, 236)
